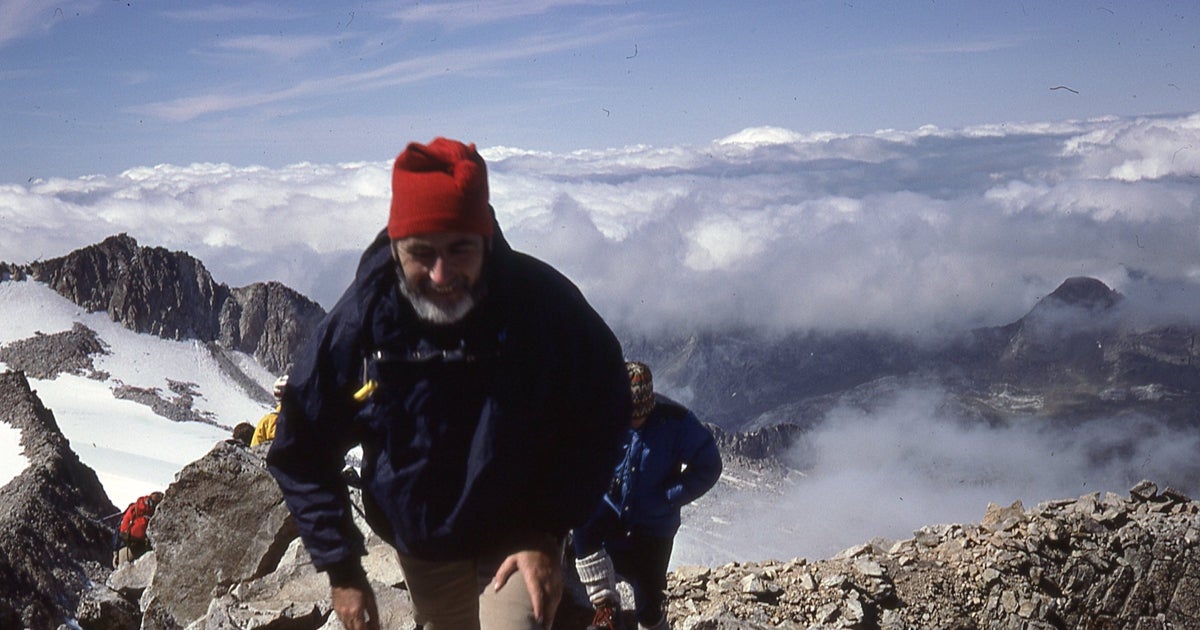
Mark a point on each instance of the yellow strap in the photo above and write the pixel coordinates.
(365, 391)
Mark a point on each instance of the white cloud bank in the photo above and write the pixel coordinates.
(907, 230)
(910, 464)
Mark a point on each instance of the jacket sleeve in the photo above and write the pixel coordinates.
(702, 461)
(589, 417)
(314, 430)
(592, 446)
(127, 519)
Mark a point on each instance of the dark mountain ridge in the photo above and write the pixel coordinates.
(171, 295)
(1072, 356)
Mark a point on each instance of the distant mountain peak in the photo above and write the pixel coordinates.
(171, 295)
(122, 241)
(1085, 292)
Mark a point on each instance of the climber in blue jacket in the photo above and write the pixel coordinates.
(670, 459)
(488, 397)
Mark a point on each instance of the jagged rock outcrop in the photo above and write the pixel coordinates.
(46, 356)
(226, 554)
(147, 289)
(1094, 562)
(268, 321)
(768, 443)
(53, 540)
(171, 295)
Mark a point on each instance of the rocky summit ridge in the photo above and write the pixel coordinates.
(1098, 561)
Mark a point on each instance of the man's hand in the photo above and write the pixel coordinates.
(542, 570)
(355, 607)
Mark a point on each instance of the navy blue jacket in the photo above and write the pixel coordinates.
(670, 461)
(482, 436)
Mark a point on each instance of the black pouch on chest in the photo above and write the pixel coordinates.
(433, 390)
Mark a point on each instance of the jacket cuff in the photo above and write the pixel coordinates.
(347, 572)
(544, 541)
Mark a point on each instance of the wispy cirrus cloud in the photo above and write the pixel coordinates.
(408, 71)
(23, 18)
(277, 46)
(470, 13)
(962, 47)
(232, 13)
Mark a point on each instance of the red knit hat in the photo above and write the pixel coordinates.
(439, 187)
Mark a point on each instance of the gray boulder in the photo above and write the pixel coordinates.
(222, 522)
(102, 608)
(227, 554)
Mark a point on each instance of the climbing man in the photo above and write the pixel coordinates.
(132, 532)
(670, 459)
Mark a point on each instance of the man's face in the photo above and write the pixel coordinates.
(440, 273)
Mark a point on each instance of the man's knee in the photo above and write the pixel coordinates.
(510, 608)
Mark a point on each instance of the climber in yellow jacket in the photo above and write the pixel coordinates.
(264, 431)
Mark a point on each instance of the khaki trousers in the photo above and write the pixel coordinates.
(132, 551)
(458, 595)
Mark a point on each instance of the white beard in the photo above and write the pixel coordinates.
(435, 313)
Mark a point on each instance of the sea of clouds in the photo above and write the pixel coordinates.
(908, 231)
(885, 473)
(911, 231)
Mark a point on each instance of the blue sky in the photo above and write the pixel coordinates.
(100, 86)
